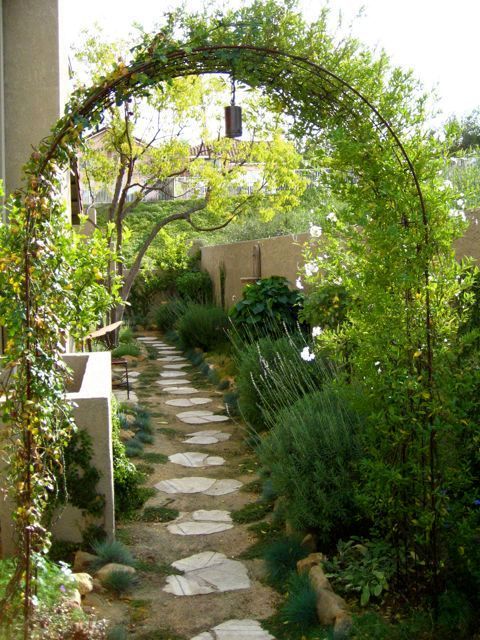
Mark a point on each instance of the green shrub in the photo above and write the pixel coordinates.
(125, 335)
(195, 286)
(311, 452)
(300, 607)
(168, 313)
(266, 306)
(113, 551)
(159, 514)
(203, 327)
(126, 349)
(363, 568)
(252, 512)
(119, 582)
(145, 438)
(272, 375)
(126, 478)
(281, 557)
(326, 306)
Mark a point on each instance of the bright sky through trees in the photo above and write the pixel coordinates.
(437, 38)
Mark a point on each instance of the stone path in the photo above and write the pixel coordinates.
(198, 588)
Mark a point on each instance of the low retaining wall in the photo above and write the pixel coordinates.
(90, 390)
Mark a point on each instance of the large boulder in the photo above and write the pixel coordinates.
(103, 573)
(84, 582)
(83, 560)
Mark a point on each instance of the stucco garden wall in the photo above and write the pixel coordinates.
(283, 256)
(90, 391)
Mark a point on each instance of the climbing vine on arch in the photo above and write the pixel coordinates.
(390, 193)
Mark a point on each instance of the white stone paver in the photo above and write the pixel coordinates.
(207, 572)
(196, 484)
(194, 528)
(188, 402)
(209, 436)
(212, 515)
(181, 391)
(177, 381)
(172, 359)
(210, 419)
(236, 630)
(172, 374)
(196, 459)
(176, 366)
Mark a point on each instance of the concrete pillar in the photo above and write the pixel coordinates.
(35, 78)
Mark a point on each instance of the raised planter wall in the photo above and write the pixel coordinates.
(90, 390)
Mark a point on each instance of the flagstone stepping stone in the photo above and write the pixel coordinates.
(133, 374)
(206, 419)
(209, 436)
(207, 572)
(181, 391)
(191, 528)
(196, 484)
(147, 338)
(236, 630)
(196, 459)
(211, 515)
(188, 402)
(172, 374)
(177, 381)
(176, 366)
(172, 359)
(202, 522)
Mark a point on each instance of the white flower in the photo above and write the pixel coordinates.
(311, 268)
(316, 331)
(315, 231)
(460, 202)
(307, 355)
(332, 217)
(298, 283)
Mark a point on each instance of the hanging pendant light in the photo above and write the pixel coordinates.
(233, 117)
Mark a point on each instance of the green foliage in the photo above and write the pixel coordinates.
(126, 349)
(252, 512)
(112, 551)
(119, 582)
(80, 476)
(118, 632)
(272, 375)
(325, 307)
(168, 314)
(145, 438)
(202, 326)
(312, 454)
(362, 567)
(195, 286)
(266, 307)
(125, 335)
(281, 557)
(155, 458)
(467, 133)
(159, 514)
(127, 480)
(300, 607)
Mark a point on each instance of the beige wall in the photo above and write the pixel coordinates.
(282, 256)
(35, 78)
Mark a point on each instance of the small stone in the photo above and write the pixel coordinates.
(305, 564)
(84, 582)
(74, 600)
(83, 560)
(195, 459)
(111, 567)
(126, 435)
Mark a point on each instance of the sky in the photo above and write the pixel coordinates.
(438, 39)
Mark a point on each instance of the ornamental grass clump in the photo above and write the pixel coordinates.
(300, 607)
(312, 453)
(112, 551)
(281, 557)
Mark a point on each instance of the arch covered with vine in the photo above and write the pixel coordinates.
(379, 174)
